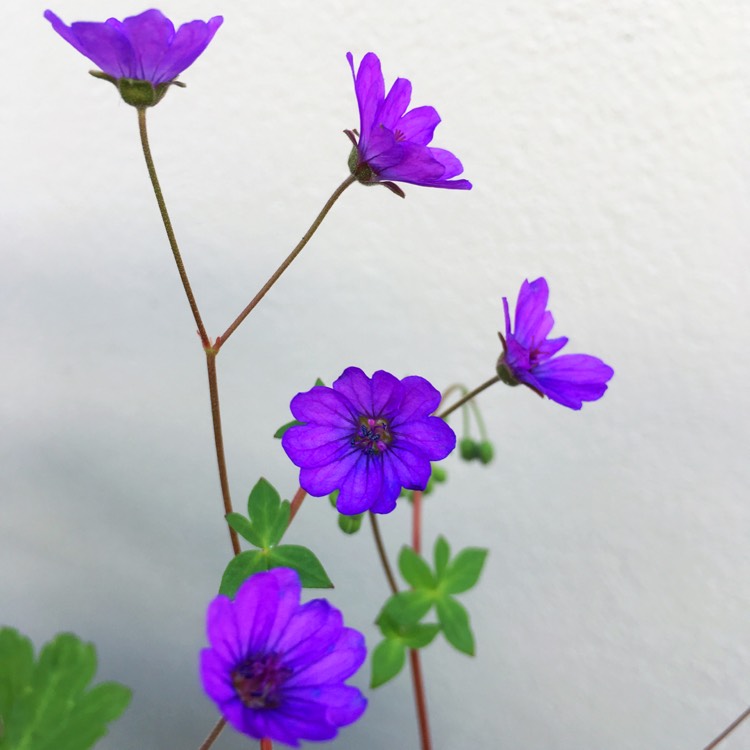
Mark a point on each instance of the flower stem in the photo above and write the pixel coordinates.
(213, 389)
(728, 730)
(265, 744)
(168, 226)
(419, 697)
(381, 552)
(277, 273)
(470, 395)
(414, 658)
(215, 732)
(299, 496)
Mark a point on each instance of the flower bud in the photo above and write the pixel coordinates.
(486, 452)
(468, 449)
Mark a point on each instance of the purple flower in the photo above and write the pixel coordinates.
(367, 438)
(393, 145)
(528, 355)
(140, 48)
(275, 667)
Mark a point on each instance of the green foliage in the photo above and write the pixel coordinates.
(400, 618)
(267, 521)
(46, 705)
(388, 660)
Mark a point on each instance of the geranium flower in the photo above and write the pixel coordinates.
(367, 438)
(393, 145)
(142, 48)
(275, 667)
(529, 356)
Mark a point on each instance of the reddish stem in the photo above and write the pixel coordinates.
(416, 527)
(215, 732)
(265, 744)
(419, 696)
(299, 496)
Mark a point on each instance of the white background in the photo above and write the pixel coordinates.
(608, 146)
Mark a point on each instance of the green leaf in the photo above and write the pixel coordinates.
(442, 555)
(244, 528)
(407, 607)
(280, 432)
(264, 508)
(240, 568)
(415, 570)
(350, 524)
(279, 526)
(387, 661)
(419, 635)
(46, 706)
(311, 572)
(454, 620)
(464, 570)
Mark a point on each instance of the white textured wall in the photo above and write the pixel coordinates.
(608, 146)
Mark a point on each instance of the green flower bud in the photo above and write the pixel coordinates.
(486, 452)
(468, 449)
(350, 524)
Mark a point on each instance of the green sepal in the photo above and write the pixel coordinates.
(45, 706)
(280, 432)
(454, 621)
(240, 568)
(312, 575)
(442, 555)
(350, 524)
(464, 570)
(415, 570)
(387, 660)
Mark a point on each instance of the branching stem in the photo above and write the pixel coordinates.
(470, 395)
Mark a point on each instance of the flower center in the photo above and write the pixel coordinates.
(258, 680)
(398, 135)
(373, 436)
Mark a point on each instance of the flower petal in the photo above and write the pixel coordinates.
(394, 104)
(387, 393)
(323, 406)
(432, 436)
(216, 676)
(255, 607)
(356, 388)
(410, 465)
(343, 661)
(104, 44)
(322, 480)
(188, 44)
(361, 487)
(420, 399)
(573, 378)
(222, 630)
(313, 445)
(369, 87)
(530, 310)
(418, 125)
(150, 34)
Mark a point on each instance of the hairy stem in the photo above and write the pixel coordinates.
(168, 226)
(215, 732)
(277, 273)
(470, 395)
(381, 553)
(728, 730)
(213, 388)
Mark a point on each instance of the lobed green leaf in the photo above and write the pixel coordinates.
(464, 570)
(244, 528)
(415, 570)
(442, 555)
(312, 575)
(46, 706)
(454, 621)
(387, 661)
(407, 607)
(240, 568)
